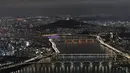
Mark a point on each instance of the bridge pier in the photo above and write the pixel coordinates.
(73, 67)
(126, 69)
(52, 66)
(110, 66)
(25, 69)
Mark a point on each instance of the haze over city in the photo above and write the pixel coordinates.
(64, 36)
(56, 7)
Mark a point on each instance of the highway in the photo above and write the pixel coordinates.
(32, 59)
(21, 63)
(57, 52)
(114, 49)
(54, 46)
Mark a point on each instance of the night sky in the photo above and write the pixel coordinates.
(59, 7)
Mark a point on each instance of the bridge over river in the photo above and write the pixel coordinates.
(72, 67)
(76, 58)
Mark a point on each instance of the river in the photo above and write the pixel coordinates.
(80, 66)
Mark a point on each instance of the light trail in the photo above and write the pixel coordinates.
(114, 49)
(54, 46)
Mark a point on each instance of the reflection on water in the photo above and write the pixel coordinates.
(72, 67)
(77, 63)
(80, 48)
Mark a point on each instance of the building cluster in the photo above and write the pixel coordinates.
(11, 28)
(118, 42)
(110, 23)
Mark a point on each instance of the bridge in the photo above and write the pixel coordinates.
(70, 60)
(79, 41)
(72, 67)
(13, 65)
(85, 57)
(24, 62)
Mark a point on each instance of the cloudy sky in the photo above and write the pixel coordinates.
(54, 7)
(55, 3)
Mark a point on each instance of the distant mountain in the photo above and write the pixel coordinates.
(61, 24)
(82, 28)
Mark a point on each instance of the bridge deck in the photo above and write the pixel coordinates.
(84, 57)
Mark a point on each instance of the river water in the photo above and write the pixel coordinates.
(84, 48)
(80, 66)
(76, 67)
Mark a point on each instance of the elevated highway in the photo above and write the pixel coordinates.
(24, 62)
(84, 57)
(13, 65)
(112, 48)
(54, 46)
(72, 57)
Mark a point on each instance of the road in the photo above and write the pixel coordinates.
(114, 49)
